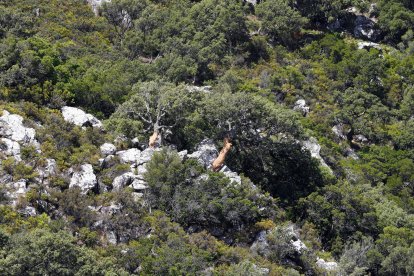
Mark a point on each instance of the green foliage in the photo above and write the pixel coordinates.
(280, 21)
(203, 200)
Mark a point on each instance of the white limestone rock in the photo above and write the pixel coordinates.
(146, 155)
(10, 148)
(206, 153)
(300, 105)
(11, 127)
(85, 179)
(314, 149)
(122, 181)
(108, 149)
(329, 266)
(139, 184)
(234, 177)
(129, 156)
(79, 117)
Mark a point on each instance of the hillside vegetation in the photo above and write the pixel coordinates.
(312, 102)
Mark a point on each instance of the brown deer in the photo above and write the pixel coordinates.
(219, 161)
(153, 140)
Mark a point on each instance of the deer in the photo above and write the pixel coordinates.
(152, 143)
(219, 161)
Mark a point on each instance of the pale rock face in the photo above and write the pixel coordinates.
(11, 126)
(300, 105)
(366, 28)
(10, 148)
(360, 139)
(130, 156)
(298, 245)
(28, 211)
(234, 177)
(95, 4)
(139, 184)
(330, 266)
(79, 117)
(122, 181)
(202, 89)
(368, 45)
(340, 132)
(314, 149)
(108, 149)
(15, 190)
(146, 156)
(206, 153)
(85, 179)
(183, 154)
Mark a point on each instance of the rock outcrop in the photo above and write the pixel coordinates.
(85, 178)
(11, 126)
(329, 266)
(129, 156)
(314, 148)
(300, 105)
(79, 117)
(206, 152)
(108, 149)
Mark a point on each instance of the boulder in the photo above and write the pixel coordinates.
(366, 28)
(11, 127)
(146, 155)
(95, 4)
(341, 131)
(79, 117)
(234, 177)
(108, 149)
(300, 105)
(10, 148)
(139, 184)
(314, 148)
(85, 179)
(28, 211)
(15, 190)
(329, 266)
(206, 153)
(129, 156)
(202, 89)
(122, 181)
(183, 154)
(359, 140)
(368, 45)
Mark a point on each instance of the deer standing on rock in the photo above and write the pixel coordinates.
(219, 161)
(153, 140)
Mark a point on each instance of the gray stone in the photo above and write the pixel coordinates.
(368, 45)
(340, 131)
(108, 149)
(206, 153)
(314, 149)
(234, 177)
(139, 184)
(329, 266)
(366, 28)
(79, 117)
(146, 155)
(130, 156)
(28, 211)
(11, 127)
(360, 139)
(85, 179)
(122, 181)
(10, 148)
(300, 105)
(183, 154)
